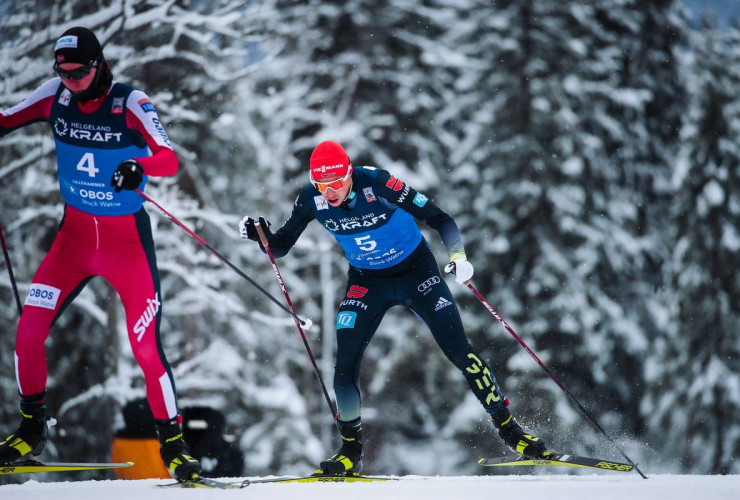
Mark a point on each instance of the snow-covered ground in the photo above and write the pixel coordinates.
(560, 487)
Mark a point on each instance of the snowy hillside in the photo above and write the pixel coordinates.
(601, 487)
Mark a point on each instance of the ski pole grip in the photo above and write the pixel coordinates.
(261, 233)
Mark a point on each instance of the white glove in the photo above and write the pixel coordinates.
(248, 227)
(462, 269)
(243, 224)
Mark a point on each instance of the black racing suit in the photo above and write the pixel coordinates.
(390, 264)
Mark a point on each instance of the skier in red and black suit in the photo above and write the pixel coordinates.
(103, 131)
(371, 214)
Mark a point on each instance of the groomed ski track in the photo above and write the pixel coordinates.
(616, 486)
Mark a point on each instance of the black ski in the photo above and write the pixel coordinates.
(561, 460)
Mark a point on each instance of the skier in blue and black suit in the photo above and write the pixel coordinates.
(371, 214)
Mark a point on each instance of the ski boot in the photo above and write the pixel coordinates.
(174, 451)
(30, 437)
(515, 437)
(348, 460)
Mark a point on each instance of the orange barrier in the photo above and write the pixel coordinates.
(144, 452)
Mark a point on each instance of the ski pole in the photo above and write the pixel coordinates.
(266, 246)
(10, 271)
(585, 412)
(306, 323)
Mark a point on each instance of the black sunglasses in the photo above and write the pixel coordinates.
(74, 74)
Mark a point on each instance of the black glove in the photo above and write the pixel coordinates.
(248, 228)
(128, 175)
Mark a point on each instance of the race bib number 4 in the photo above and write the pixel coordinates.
(87, 164)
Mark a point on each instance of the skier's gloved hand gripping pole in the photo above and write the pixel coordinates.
(10, 271)
(305, 323)
(451, 268)
(266, 245)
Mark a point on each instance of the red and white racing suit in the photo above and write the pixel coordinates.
(102, 233)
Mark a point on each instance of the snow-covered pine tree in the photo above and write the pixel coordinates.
(693, 404)
(557, 108)
(188, 65)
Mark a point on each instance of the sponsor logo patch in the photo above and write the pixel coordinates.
(369, 195)
(60, 127)
(356, 291)
(42, 296)
(420, 200)
(394, 184)
(86, 131)
(354, 303)
(96, 195)
(65, 97)
(405, 193)
(426, 287)
(146, 105)
(146, 318)
(66, 42)
(442, 303)
(321, 203)
(613, 466)
(367, 220)
(331, 224)
(117, 107)
(161, 131)
(346, 319)
(326, 171)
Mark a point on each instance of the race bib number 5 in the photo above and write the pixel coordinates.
(365, 243)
